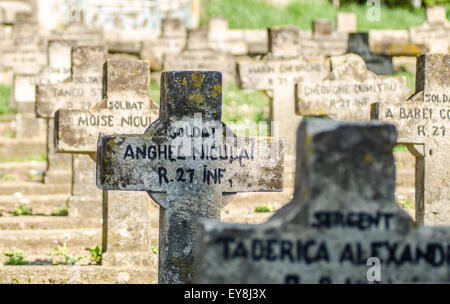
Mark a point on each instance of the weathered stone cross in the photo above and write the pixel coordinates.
(348, 91)
(190, 163)
(424, 127)
(82, 91)
(126, 108)
(343, 225)
(277, 74)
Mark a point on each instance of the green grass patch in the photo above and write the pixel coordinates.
(34, 157)
(262, 209)
(61, 211)
(410, 80)
(5, 109)
(154, 92)
(15, 258)
(22, 210)
(400, 148)
(407, 205)
(253, 14)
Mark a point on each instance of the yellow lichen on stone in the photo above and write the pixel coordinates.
(197, 98)
(198, 77)
(217, 90)
(368, 158)
(184, 82)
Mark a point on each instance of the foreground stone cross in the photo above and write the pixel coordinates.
(277, 74)
(424, 124)
(342, 222)
(82, 91)
(126, 108)
(189, 164)
(348, 91)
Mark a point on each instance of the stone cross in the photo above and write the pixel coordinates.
(423, 122)
(171, 41)
(190, 163)
(24, 86)
(221, 39)
(126, 108)
(323, 41)
(358, 43)
(348, 91)
(277, 74)
(434, 32)
(197, 55)
(346, 23)
(394, 43)
(342, 226)
(82, 91)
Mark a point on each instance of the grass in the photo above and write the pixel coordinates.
(5, 93)
(61, 211)
(253, 14)
(16, 257)
(22, 210)
(34, 157)
(410, 80)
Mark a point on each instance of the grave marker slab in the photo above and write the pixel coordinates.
(435, 32)
(394, 43)
(190, 164)
(343, 213)
(423, 124)
(358, 43)
(277, 74)
(127, 217)
(24, 87)
(348, 91)
(82, 91)
(197, 55)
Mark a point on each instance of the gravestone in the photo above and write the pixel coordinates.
(394, 43)
(435, 32)
(342, 220)
(358, 43)
(77, 30)
(277, 74)
(82, 91)
(346, 23)
(348, 91)
(190, 163)
(323, 41)
(24, 87)
(423, 124)
(126, 108)
(197, 55)
(171, 41)
(23, 54)
(221, 39)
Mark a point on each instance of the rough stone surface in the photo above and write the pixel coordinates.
(277, 75)
(348, 91)
(435, 32)
(126, 108)
(394, 43)
(342, 214)
(423, 124)
(170, 162)
(358, 43)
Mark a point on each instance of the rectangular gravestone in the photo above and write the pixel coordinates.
(346, 23)
(348, 91)
(277, 74)
(24, 87)
(197, 55)
(358, 43)
(221, 39)
(423, 122)
(435, 32)
(127, 216)
(82, 91)
(190, 163)
(171, 41)
(24, 54)
(323, 41)
(342, 220)
(394, 43)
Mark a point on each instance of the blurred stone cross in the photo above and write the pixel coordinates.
(190, 163)
(277, 74)
(423, 122)
(348, 91)
(342, 226)
(125, 108)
